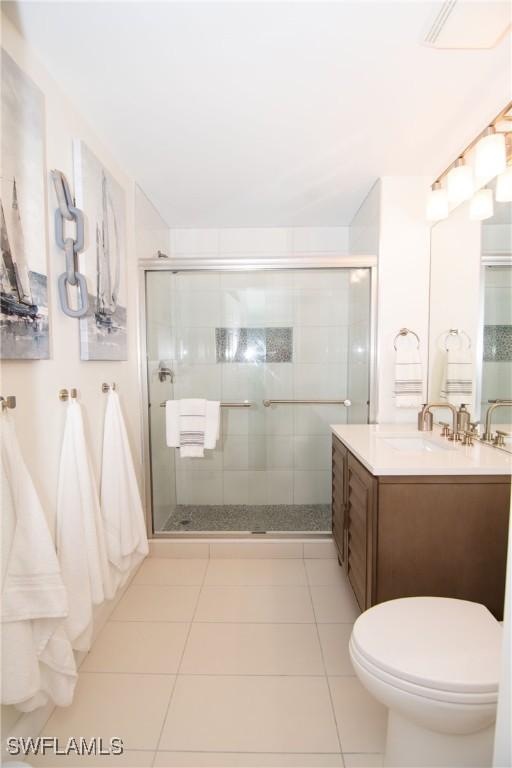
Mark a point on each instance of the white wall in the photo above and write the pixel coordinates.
(39, 415)
(391, 223)
(263, 242)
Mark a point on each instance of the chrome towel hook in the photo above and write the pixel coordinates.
(8, 402)
(65, 394)
(107, 387)
(71, 247)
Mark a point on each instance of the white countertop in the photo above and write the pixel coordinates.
(373, 445)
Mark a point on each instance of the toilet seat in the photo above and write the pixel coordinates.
(438, 648)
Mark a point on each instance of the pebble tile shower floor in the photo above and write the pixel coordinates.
(243, 517)
(227, 662)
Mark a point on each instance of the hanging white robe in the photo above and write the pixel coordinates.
(80, 534)
(121, 506)
(38, 664)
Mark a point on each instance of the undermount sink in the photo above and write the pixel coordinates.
(414, 444)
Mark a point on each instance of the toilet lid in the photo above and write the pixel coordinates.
(436, 642)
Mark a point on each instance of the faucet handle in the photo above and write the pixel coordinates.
(468, 438)
(446, 428)
(499, 440)
(474, 427)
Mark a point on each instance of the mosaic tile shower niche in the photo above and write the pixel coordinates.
(251, 336)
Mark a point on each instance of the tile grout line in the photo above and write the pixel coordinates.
(326, 676)
(164, 721)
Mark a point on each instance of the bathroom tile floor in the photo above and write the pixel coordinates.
(227, 663)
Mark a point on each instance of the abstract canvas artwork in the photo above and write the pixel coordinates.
(24, 326)
(103, 330)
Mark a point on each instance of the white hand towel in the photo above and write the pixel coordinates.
(212, 429)
(121, 506)
(172, 423)
(408, 378)
(457, 385)
(38, 664)
(80, 535)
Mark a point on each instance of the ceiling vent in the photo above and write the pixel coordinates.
(469, 25)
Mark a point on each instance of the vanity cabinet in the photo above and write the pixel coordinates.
(403, 536)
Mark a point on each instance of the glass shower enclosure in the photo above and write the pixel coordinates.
(287, 352)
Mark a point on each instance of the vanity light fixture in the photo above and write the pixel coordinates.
(482, 205)
(459, 182)
(437, 203)
(504, 186)
(490, 154)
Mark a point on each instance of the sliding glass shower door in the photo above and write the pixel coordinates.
(246, 338)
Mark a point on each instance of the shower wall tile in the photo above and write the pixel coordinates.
(242, 307)
(320, 381)
(212, 460)
(317, 344)
(196, 346)
(198, 381)
(258, 452)
(198, 309)
(278, 381)
(279, 306)
(235, 421)
(241, 381)
(315, 419)
(263, 240)
(197, 281)
(236, 452)
(270, 487)
(236, 487)
(311, 452)
(279, 452)
(197, 487)
(194, 242)
(311, 487)
(312, 307)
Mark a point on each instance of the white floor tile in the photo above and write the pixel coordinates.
(245, 760)
(250, 572)
(138, 646)
(130, 707)
(323, 548)
(252, 649)
(133, 758)
(324, 572)
(259, 549)
(163, 570)
(361, 719)
(275, 604)
(156, 603)
(250, 714)
(355, 760)
(334, 640)
(171, 548)
(334, 604)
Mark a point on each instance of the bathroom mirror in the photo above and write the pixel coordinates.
(471, 315)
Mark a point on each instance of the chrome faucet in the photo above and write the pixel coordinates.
(425, 423)
(487, 436)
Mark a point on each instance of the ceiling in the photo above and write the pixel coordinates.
(267, 113)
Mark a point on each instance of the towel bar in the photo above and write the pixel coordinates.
(245, 404)
(347, 403)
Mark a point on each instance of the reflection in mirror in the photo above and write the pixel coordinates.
(470, 333)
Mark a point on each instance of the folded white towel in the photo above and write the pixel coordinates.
(192, 425)
(38, 664)
(80, 535)
(121, 506)
(457, 383)
(408, 378)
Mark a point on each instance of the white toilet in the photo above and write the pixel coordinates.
(434, 662)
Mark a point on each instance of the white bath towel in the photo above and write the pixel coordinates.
(457, 384)
(192, 425)
(408, 378)
(38, 664)
(121, 506)
(80, 534)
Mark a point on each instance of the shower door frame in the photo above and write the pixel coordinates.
(192, 264)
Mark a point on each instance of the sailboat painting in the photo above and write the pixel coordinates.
(103, 330)
(24, 330)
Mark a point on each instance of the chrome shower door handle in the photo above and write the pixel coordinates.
(164, 371)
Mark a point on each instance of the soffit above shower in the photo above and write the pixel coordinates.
(250, 114)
